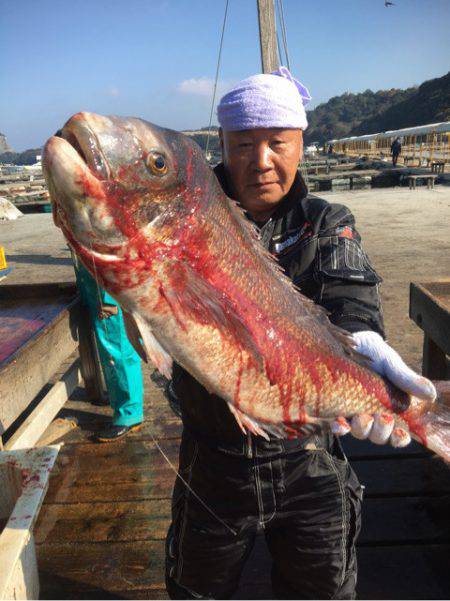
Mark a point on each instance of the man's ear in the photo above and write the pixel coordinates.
(301, 147)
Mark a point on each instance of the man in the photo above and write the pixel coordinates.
(396, 148)
(301, 493)
(121, 365)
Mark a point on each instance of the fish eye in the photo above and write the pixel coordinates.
(157, 163)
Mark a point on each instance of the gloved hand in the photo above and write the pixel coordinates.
(383, 359)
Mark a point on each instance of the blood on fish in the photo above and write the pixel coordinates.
(197, 275)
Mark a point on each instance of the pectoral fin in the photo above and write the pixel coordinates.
(133, 334)
(145, 344)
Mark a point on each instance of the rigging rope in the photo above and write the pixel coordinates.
(217, 77)
(156, 442)
(283, 31)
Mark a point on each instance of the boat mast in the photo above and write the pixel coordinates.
(268, 36)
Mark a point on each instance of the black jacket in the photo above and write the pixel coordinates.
(319, 248)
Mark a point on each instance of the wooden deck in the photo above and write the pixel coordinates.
(101, 530)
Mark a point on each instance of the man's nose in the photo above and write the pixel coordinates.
(261, 158)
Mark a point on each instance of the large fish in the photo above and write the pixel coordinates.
(147, 217)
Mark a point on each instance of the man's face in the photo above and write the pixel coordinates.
(261, 165)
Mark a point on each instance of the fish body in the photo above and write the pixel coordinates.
(147, 217)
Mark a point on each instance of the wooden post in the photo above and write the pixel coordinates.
(90, 365)
(434, 364)
(268, 36)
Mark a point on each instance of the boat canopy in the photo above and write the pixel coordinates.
(408, 131)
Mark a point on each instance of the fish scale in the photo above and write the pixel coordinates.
(197, 286)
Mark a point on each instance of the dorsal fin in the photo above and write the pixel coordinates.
(317, 312)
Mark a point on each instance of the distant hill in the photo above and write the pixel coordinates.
(430, 103)
(201, 136)
(372, 112)
(27, 157)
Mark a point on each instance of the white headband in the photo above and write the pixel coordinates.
(265, 101)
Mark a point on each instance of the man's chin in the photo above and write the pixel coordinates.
(271, 193)
(268, 199)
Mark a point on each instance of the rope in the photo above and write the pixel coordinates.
(217, 76)
(103, 319)
(190, 489)
(283, 31)
(158, 446)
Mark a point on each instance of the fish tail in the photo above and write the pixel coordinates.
(432, 428)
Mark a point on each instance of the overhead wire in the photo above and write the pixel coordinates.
(217, 76)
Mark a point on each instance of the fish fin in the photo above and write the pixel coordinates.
(146, 345)
(348, 344)
(278, 431)
(134, 335)
(197, 299)
(312, 309)
(433, 427)
(246, 423)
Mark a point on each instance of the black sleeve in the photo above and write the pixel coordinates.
(348, 284)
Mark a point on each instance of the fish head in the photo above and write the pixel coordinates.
(121, 187)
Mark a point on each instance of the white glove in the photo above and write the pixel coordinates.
(383, 359)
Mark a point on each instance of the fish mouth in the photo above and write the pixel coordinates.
(76, 170)
(79, 133)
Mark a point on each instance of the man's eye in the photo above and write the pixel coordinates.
(244, 145)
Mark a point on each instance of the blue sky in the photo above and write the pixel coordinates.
(156, 59)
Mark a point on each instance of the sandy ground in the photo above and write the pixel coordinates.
(406, 234)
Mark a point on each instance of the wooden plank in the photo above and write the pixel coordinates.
(140, 473)
(23, 379)
(429, 308)
(90, 362)
(21, 321)
(160, 421)
(435, 364)
(162, 428)
(405, 520)
(364, 449)
(410, 520)
(408, 572)
(134, 469)
(35, 424)
(61, 588)
(108, 566)
(121, 471)
(47, 289)
(403, 477)
(101, 522)
(24, 480)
